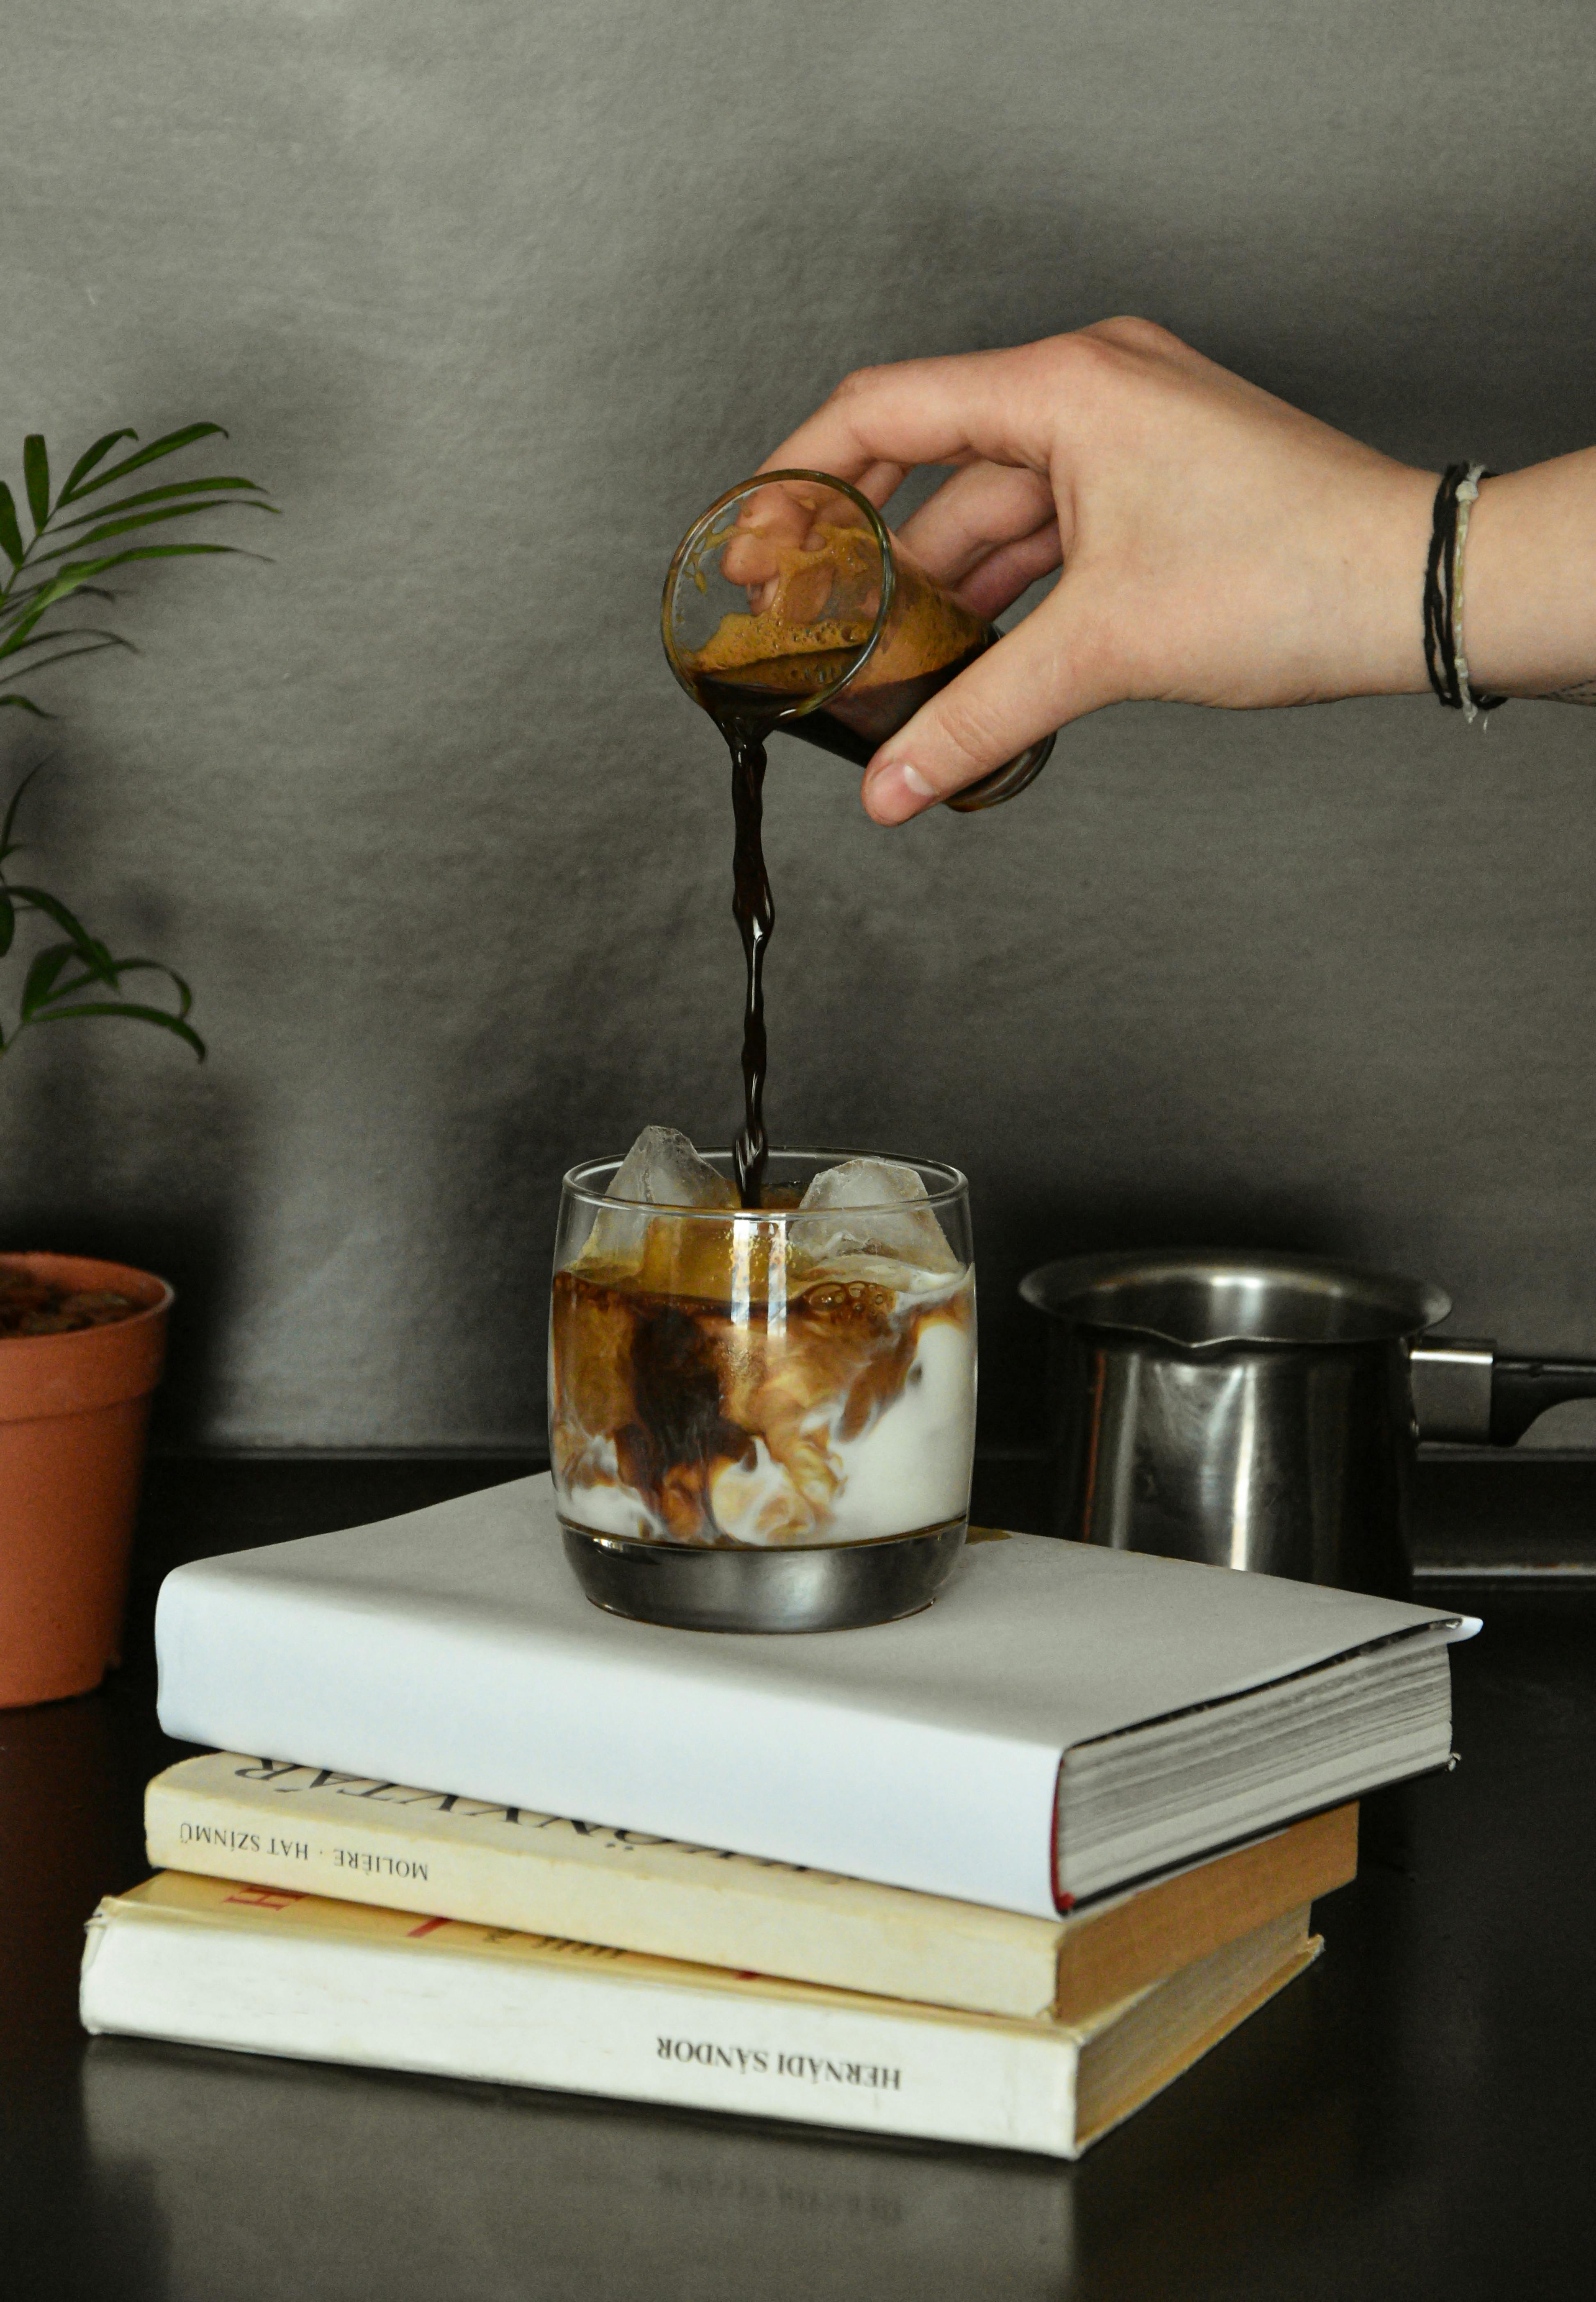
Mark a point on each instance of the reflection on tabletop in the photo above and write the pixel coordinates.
(272, 2179)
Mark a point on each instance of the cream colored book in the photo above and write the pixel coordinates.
(214, 1963)
(356, 1837)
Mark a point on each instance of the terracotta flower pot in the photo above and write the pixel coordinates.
(72, 1413)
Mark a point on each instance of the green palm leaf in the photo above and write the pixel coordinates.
(62, 560)
(112, 975)
(13, 601)
(36, 472)
(73, 632)
(149, 496)
(185, 996)
(94, 647)
(36, 899)
(168, 446)
(8, 846)
(89, 459)
(43, 600)
(80, 574)
(158, 1015)
(10, 534)
(75, 575)
(44, 975)
(144, 519)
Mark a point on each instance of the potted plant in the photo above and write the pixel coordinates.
(81, 1341)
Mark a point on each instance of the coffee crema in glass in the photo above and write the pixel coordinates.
(802, 1374)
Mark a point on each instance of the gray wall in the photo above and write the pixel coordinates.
(494, 294)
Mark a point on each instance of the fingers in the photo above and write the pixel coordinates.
(986, 534)
(881, 480)
(1219, 547)
(931, 411)
(971, 515)
(1036, 678)
(1000, 579)
(772, 523)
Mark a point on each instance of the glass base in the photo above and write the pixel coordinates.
(835, 1587)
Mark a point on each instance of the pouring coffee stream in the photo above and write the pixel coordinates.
(790, 608)
(754, 910)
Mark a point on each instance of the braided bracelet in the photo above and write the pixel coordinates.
(1444, 657)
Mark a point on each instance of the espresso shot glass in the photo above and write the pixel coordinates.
(790, 605)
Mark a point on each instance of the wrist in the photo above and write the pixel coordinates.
(1411, 518)
(1386, 548)
(1529, 570)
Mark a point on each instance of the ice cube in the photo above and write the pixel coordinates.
(867, 1207)
(661, 1170)
(664, 1170)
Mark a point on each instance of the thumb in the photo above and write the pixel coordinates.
(1021, 689)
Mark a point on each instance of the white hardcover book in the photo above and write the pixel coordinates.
(1063, 1720)
(320, 1832)
(212, 1963)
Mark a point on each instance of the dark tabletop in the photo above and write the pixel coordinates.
(1412, 2118)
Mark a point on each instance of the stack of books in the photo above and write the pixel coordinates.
(1002, 1871)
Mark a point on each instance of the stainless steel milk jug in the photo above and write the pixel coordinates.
(1261, 1410)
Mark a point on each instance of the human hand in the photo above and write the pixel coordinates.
(1218, 546)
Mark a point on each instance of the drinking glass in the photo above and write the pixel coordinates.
(791, 604)
(764, 1418)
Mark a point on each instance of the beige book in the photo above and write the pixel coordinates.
(355, 1837)
(211, 1963)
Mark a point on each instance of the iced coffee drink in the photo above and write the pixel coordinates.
(801, 1372)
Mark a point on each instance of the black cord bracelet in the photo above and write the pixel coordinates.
(1440, 576)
